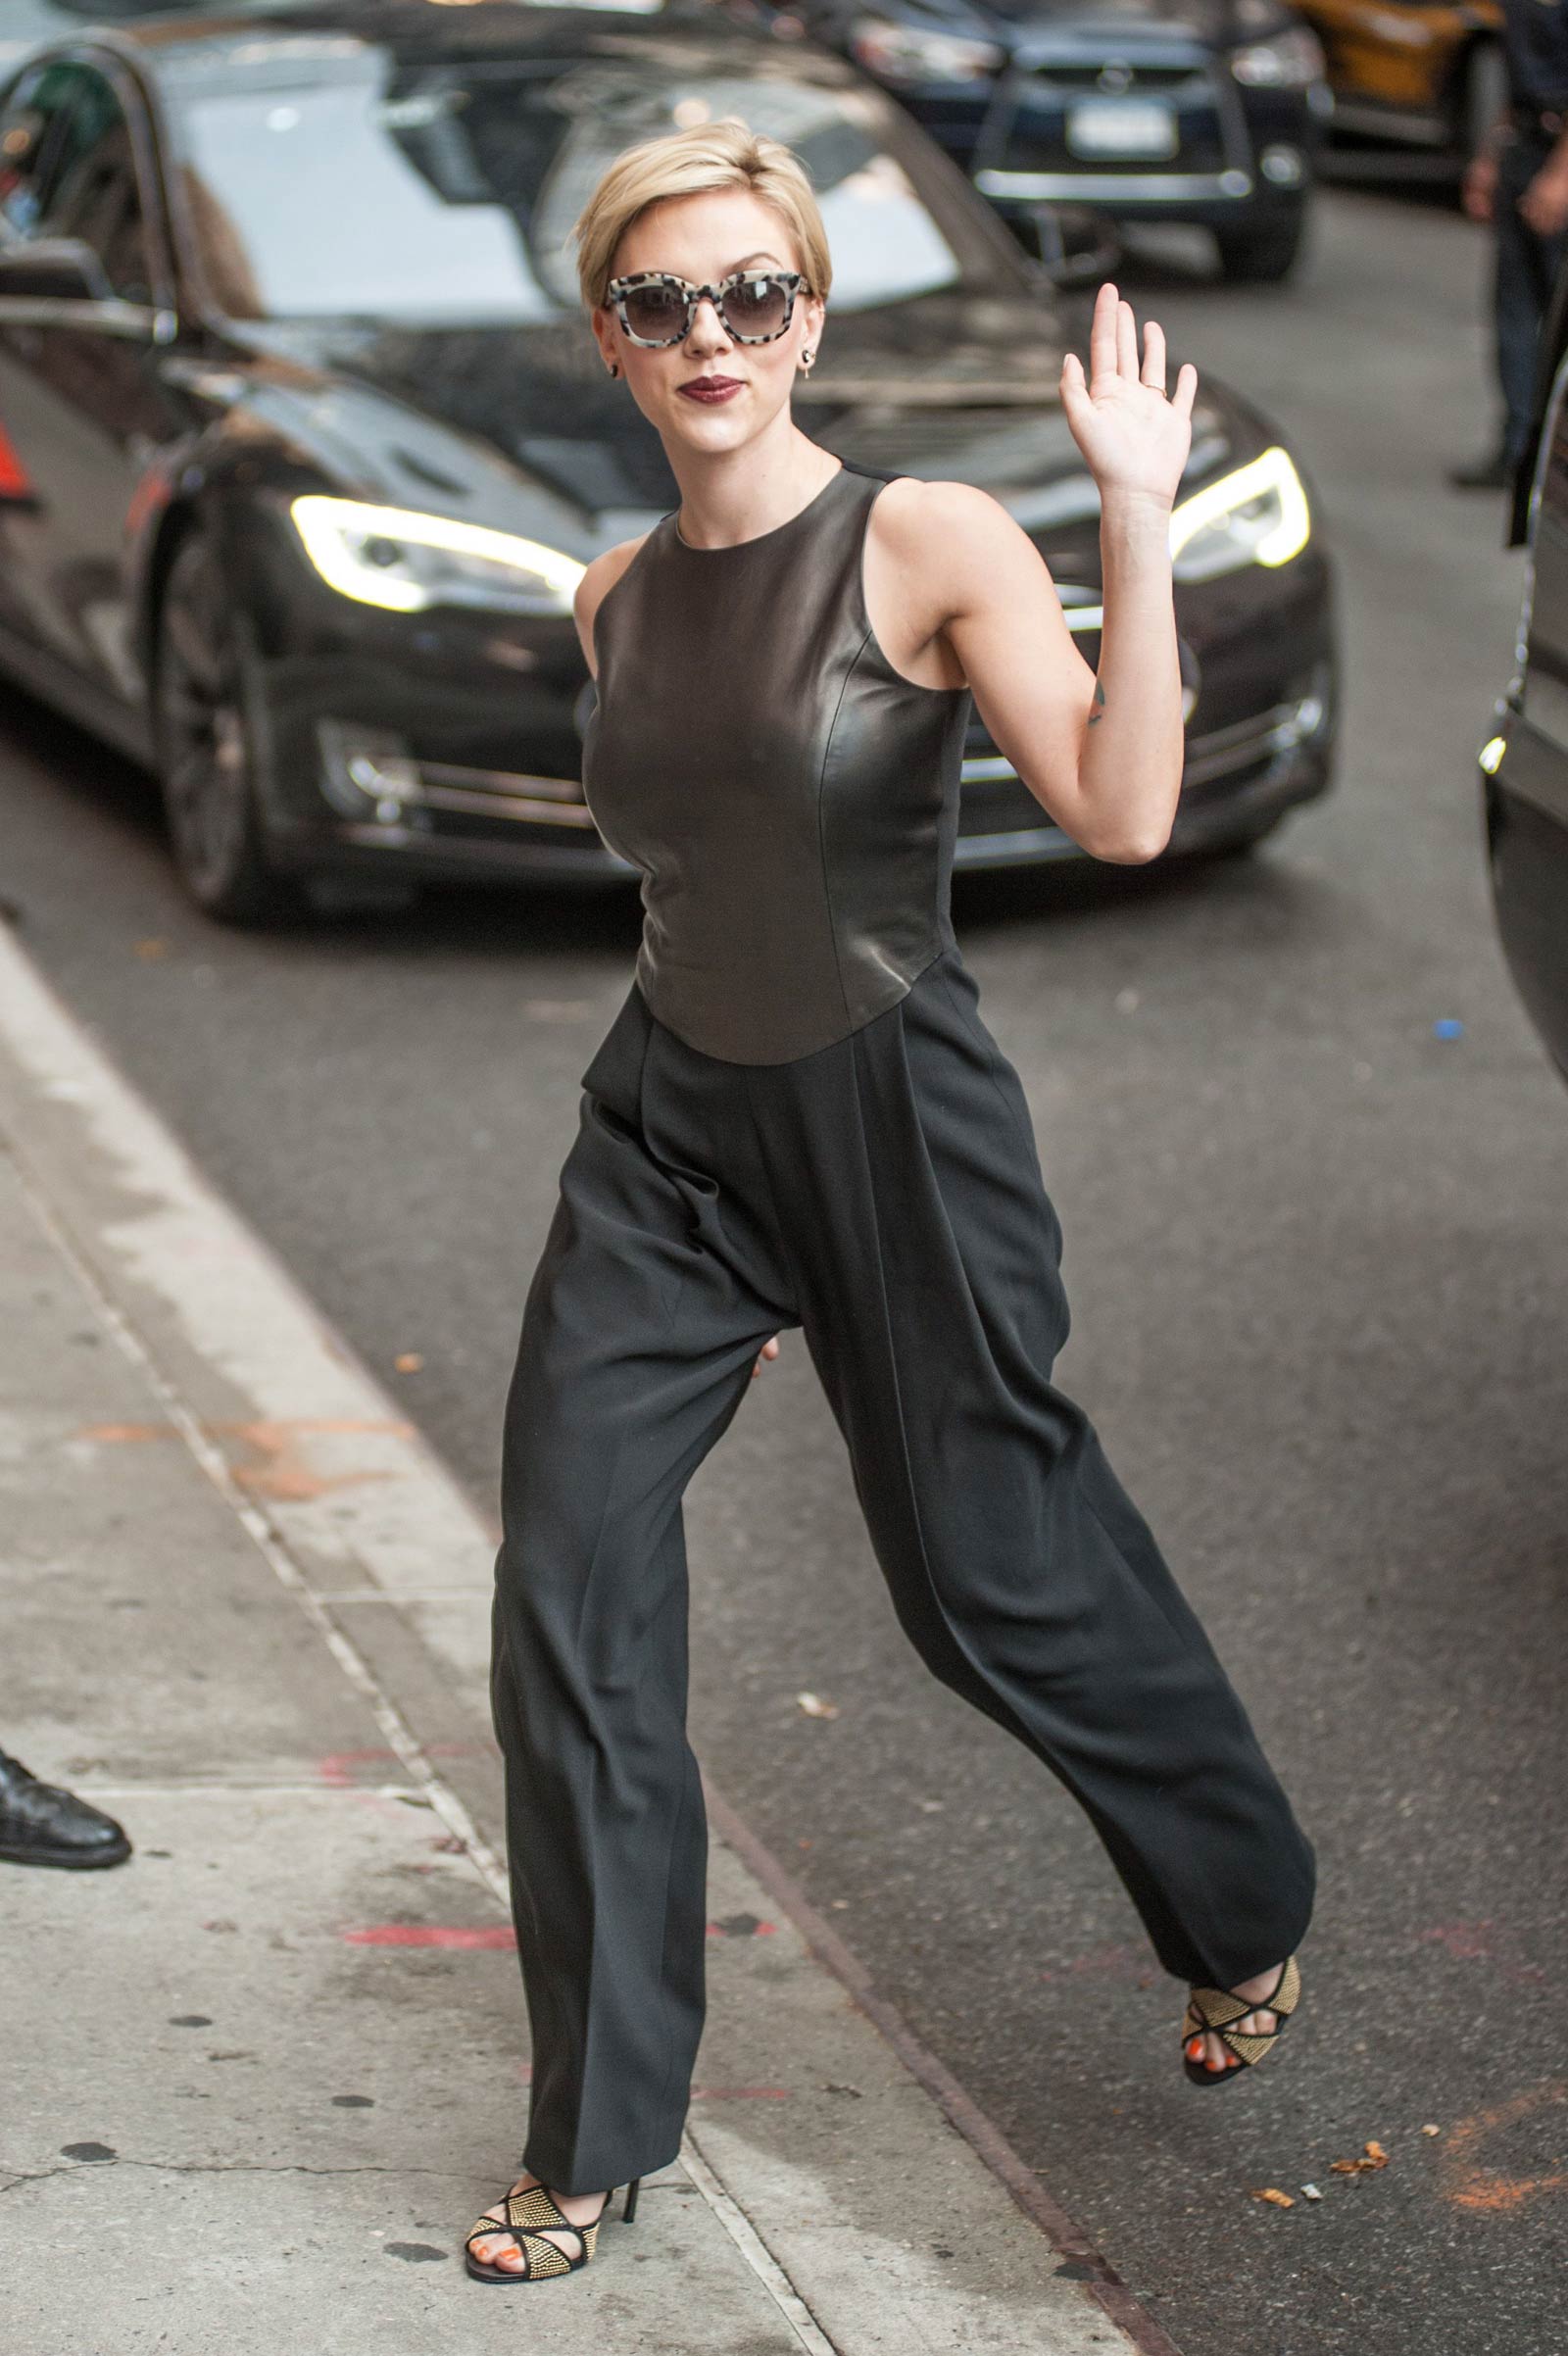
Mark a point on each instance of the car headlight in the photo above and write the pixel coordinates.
(1256, 516)
(1287, 62)
(904, 52)
(404, 561)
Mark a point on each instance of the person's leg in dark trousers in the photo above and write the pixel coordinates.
(933, 1308)
(888, 1186)
(1525, 271)
(639, 1335)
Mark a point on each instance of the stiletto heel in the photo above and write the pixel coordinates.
(628, 2207)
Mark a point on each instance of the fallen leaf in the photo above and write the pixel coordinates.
(1432, 2130)
(408, 1361)
(152, 949)
(1310, 2192)
(815, 1707)
(1376, 2156)
(1274, 2196)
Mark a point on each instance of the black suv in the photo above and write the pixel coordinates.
(1198, 111)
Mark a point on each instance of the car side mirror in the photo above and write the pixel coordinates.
(53, 269)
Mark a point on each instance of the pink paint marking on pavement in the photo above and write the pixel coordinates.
(338, 1767)
(1483, 1942)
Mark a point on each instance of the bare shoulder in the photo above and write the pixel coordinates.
(952, 532)
(600, 576)
(940, 552)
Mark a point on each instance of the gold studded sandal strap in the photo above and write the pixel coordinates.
(484, 2227)
(1287, 1994)
(546, 2257)
(536, 2206)
(1217, 2008)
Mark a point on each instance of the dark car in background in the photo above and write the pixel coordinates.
(1425, 72)
(305, 441)
(1208, 111)
(1524, 763)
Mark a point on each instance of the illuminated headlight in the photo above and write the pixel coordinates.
(1256, 516)
(404, 561)
(904, 53)
(1288, 62)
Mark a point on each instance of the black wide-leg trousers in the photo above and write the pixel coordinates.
(885, 1196)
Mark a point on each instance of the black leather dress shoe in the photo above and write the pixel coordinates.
(40, 1824)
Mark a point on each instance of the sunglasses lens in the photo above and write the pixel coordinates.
(655, 313)
(757, 307)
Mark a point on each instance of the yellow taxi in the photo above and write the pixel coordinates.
(1430, 72)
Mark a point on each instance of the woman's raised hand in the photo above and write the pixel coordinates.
(1132, 436)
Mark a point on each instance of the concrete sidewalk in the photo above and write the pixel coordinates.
(258, 2080)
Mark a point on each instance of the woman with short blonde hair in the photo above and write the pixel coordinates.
(798, 1119)
(711, 156)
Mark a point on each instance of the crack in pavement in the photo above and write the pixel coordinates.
(41, 2176)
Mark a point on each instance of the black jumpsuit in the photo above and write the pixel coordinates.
(799, 1118)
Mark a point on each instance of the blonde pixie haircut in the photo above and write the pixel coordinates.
(727, 153)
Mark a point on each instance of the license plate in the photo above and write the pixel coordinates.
(1121, 126)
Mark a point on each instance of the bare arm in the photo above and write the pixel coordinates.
(1544, 202)
(1101, 751)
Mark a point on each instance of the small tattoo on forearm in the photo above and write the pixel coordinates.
(1098, 711)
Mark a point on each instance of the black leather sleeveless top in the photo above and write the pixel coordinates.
(790, 798)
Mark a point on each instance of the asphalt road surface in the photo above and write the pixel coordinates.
(1318, 1266)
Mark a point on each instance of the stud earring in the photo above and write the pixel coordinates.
(807, 356)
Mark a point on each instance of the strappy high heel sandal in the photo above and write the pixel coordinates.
(1216, 2009)
(524, 2213)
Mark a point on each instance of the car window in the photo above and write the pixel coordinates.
(33, 122)
(331, 179)
(93, 192)
(68, 170)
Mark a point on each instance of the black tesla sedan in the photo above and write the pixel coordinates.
(1524, 763)
(304, 441)
(1201, 111)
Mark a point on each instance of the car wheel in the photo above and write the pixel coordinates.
(1254, 255)
(1483, 96)
(205, 701)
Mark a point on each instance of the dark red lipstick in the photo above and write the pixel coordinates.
(710, 388)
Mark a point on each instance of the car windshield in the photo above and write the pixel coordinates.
(328, 178)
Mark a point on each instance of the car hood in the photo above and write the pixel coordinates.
(522, 428)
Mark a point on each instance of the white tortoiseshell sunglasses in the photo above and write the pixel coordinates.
(654, 307)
